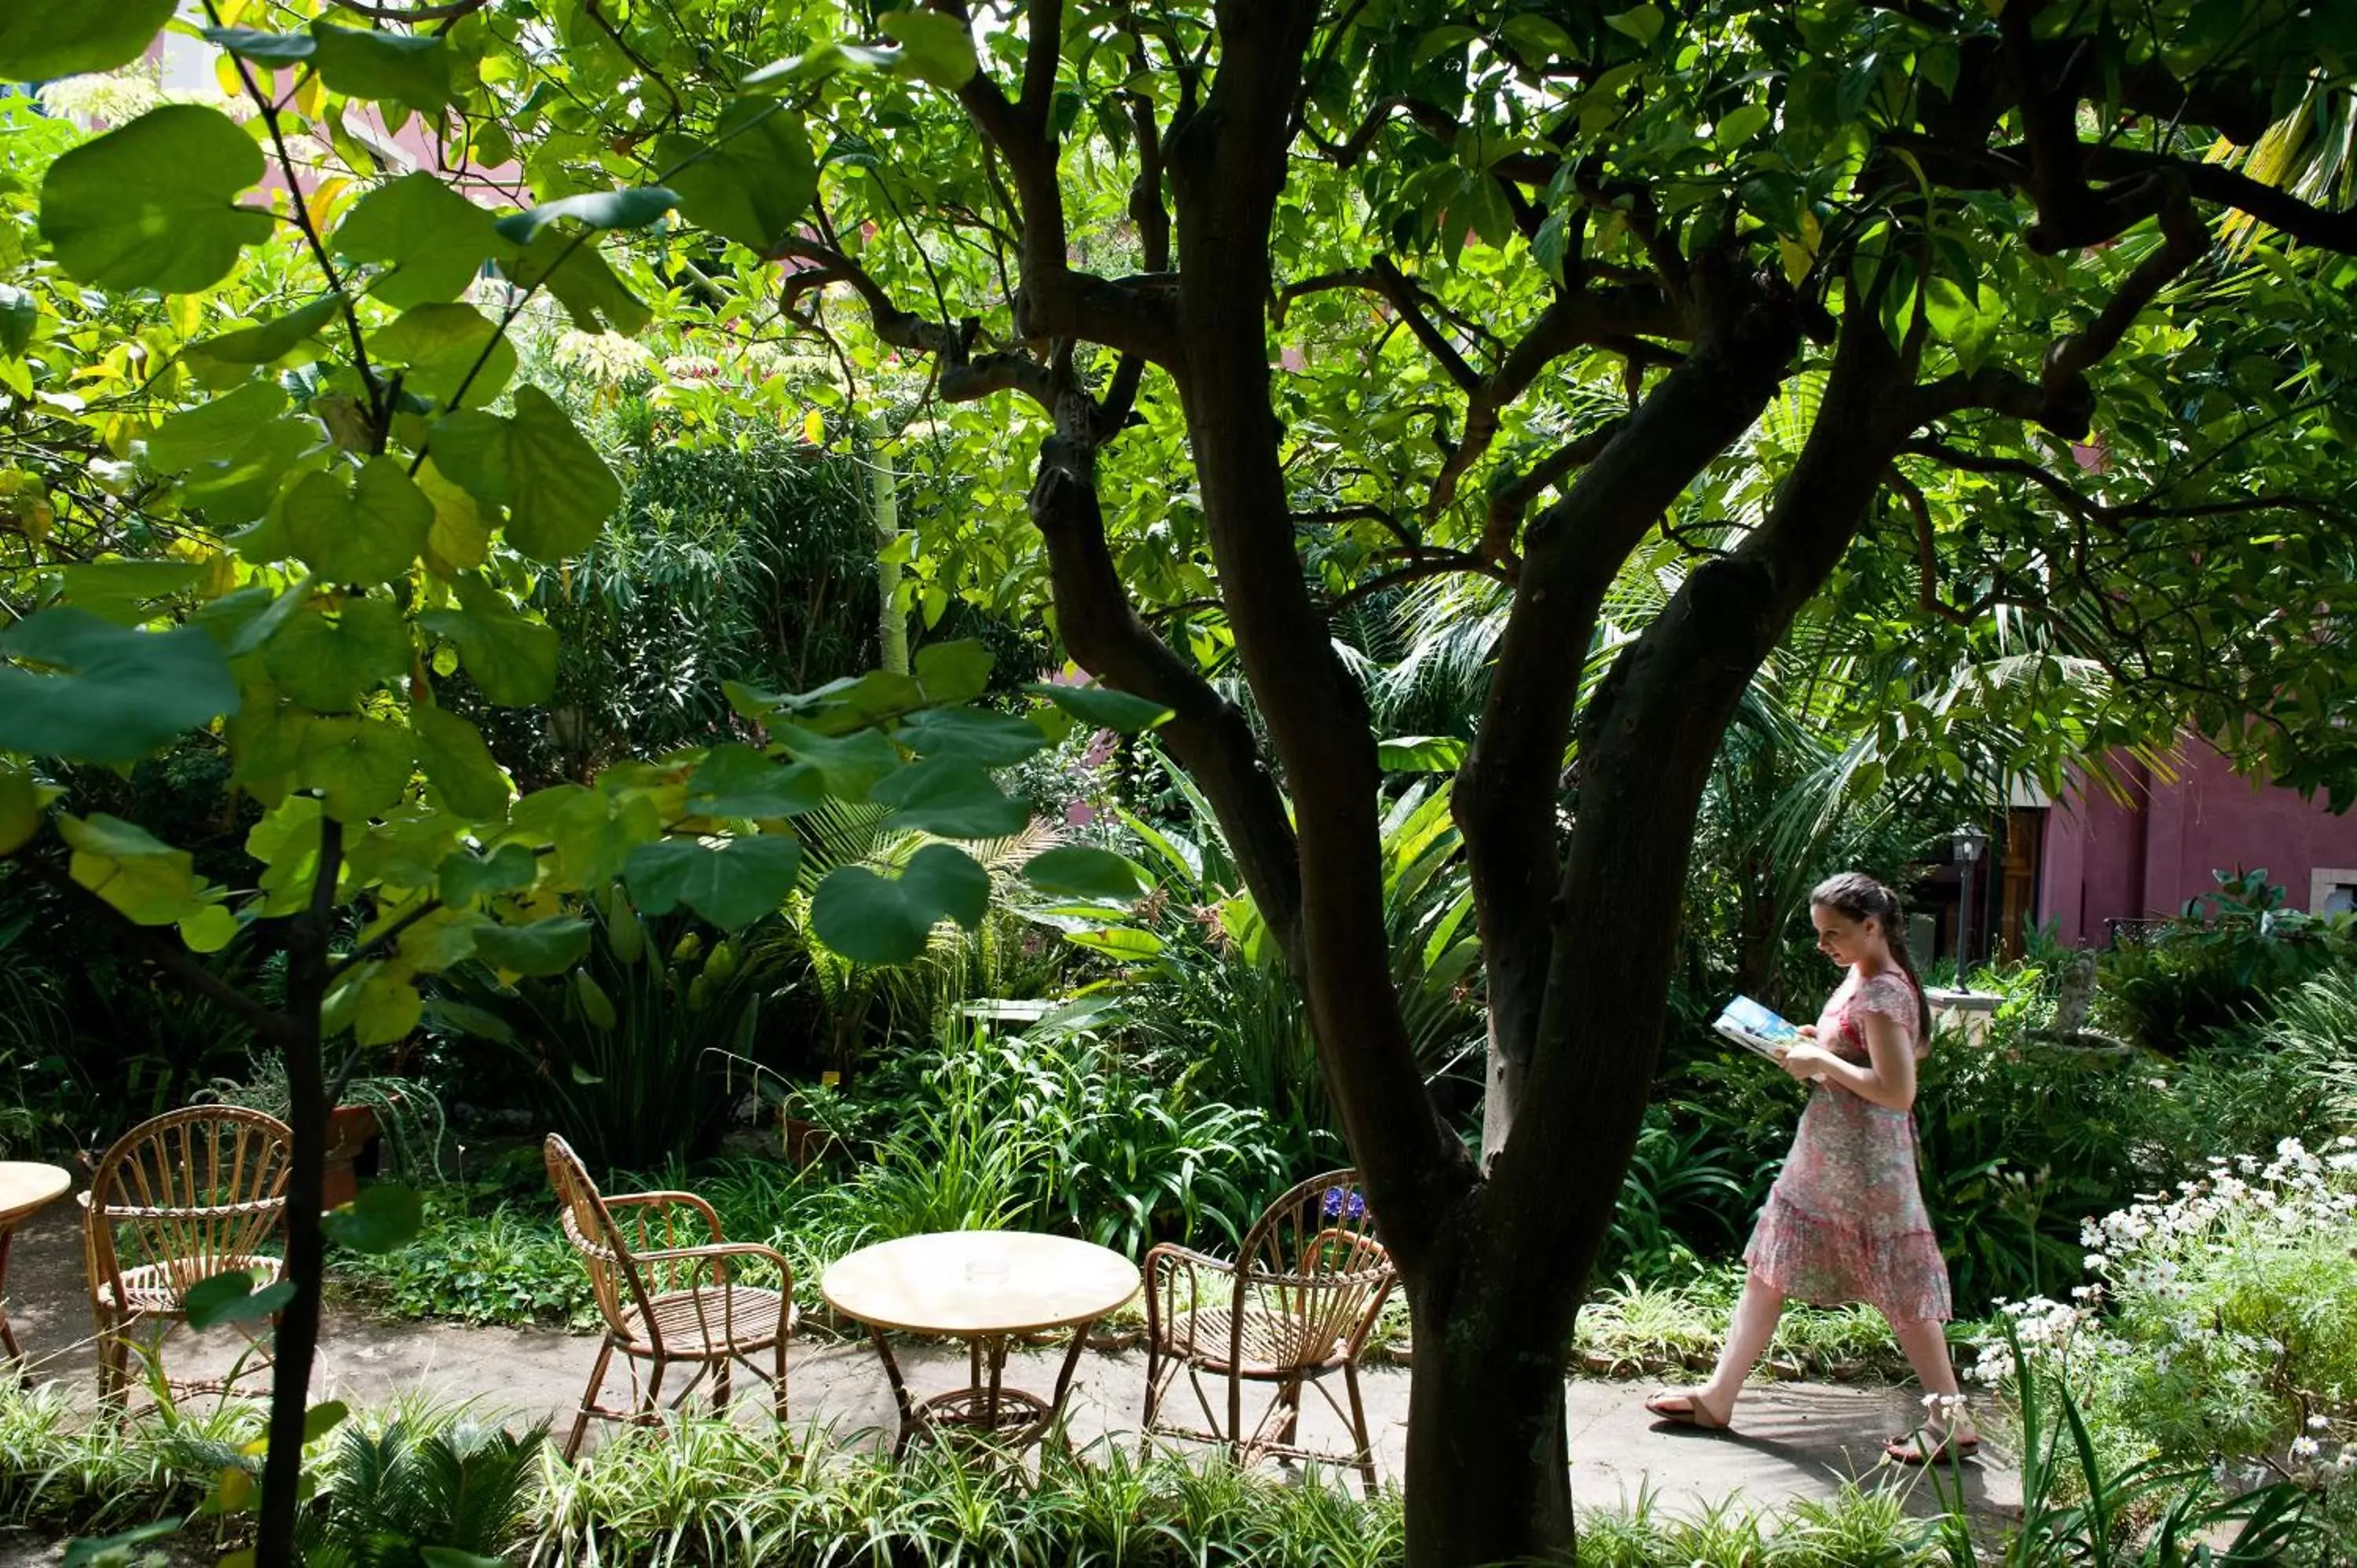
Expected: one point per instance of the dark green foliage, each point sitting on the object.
(93, 1040)
(630, 1054)
(2210, 968)
(751, 561)
(1686, 1198)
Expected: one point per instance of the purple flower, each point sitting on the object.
(1345, 1203)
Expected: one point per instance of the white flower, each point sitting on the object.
(110, 100)
(2319, 1422)
(2303, 1447)
(2095, 1261)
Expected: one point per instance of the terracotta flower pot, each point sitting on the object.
(803, 1141)
(351, 1130)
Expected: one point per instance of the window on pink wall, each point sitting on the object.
(2333, 891)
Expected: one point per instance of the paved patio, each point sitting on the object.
(1795, 1440)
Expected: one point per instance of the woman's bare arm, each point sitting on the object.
(1889, 1079)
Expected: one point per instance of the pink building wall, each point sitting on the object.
(2105, 860)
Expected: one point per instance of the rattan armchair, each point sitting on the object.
(661, 1276)
(1295, 1307)
(175, 1201)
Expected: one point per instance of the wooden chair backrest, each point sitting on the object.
(1313, 1257)
(614, 1273)
(187, 1194)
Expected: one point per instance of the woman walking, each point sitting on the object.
(1845, 1220)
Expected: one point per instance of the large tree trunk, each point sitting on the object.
(1488, 1456)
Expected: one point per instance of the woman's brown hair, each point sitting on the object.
(1858, 895)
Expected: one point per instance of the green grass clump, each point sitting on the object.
(1635, 1329)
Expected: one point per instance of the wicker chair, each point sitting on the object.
(1296, 1307)
(662, 1279)
(176, 1200)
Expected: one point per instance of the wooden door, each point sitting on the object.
(2025, 838)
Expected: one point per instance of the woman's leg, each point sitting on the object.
(1756, 1315)
(1925, 1341)
(1747, 1339)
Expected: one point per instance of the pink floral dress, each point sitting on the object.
(1845, 1220)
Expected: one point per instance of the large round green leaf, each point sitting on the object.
(435, 239)
(631, 206)
(328, 655)
(876, 919)
(102, 693)
(359, 765)
(153, 205)
(933, 48)
(736, 780)
(20, 809)
(987, 740)
(460, 765)
(513, 659)
(950, 797)
(557, 489)
(466, 877)
(582, 281)
(1102, 706)
(447, 348)
(730, 882)
(365, 531)
(44, 38)
(409, 68)
(543, 947)
(147, 881)
(1078, 871)
(751, 181)
(263, 49)
(273, 338)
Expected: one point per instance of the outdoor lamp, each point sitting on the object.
(1968, 842)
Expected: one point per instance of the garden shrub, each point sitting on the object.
(2214, 970)
(630, 1054)
(2219, 1324)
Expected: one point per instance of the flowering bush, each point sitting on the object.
(2218, 1324)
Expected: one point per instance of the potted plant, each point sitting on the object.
(372, 1118)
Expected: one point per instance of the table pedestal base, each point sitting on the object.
(1008, 1420)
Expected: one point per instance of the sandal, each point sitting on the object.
(1910, 1449)
(1693, 1412)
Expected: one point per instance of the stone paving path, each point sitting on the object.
(1794, 1440)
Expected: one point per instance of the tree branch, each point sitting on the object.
(450, 12)
(1927, 553)
(1506, 793)
(2062, 400)
(1570, 321)
(1430, 564)
(1408, 298)
(1510, 500)
(1105, 636)
(963, 379)
(1647, 746)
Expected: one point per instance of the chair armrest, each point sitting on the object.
(717, 1256)
(1165, 1265)
(1169, 1253)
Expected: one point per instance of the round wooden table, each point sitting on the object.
(984, 1287)
(24, 1188)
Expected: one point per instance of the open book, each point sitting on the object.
(1755, 1028)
